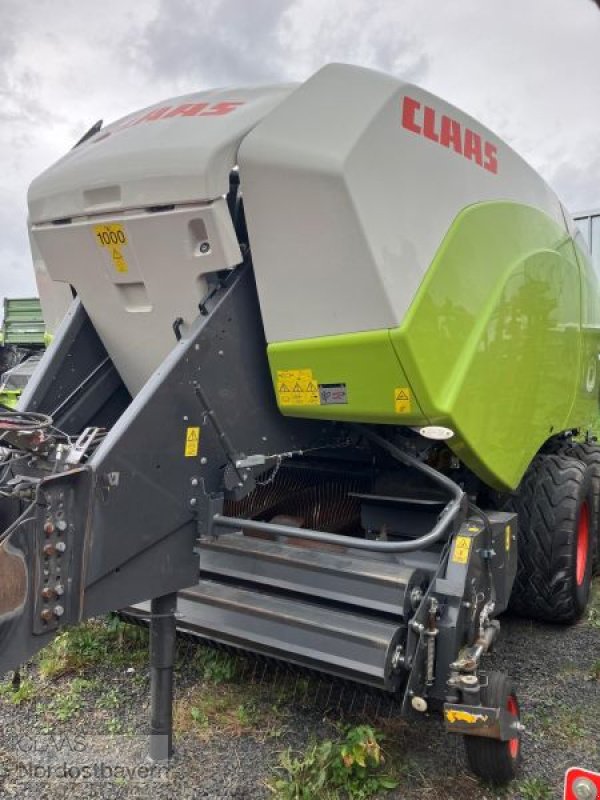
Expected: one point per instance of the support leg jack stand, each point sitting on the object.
(162, 657)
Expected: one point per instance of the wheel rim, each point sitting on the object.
(583, 543)
(513, 708)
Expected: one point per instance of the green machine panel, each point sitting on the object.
(500, 344)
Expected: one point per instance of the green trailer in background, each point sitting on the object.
(23, 323)
(22, 338)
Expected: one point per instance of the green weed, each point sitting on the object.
(68, 703)
(23, 693)
(214, 665)
(349, 768)
(113, 643)
(109, 700)
(114, 726)
(535, 789)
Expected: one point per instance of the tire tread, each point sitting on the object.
(547, 503)
(490, 759)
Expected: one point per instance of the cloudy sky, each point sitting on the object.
(528, 69)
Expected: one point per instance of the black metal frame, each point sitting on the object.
(133, 511)
(131, 514)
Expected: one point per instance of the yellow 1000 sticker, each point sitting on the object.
(112, 238)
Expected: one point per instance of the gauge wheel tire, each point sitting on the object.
(555, 506)
(589, 453)
(491, 760)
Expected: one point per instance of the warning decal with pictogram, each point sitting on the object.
(402, 400)
(192, 441)
(297, 387)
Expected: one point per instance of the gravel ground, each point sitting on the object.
(229, 735)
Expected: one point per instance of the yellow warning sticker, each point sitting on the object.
(458, 715)
(113, 238)
(297, 387)
(192, 442)
(402, 400)
(462, 546)
(507, 533)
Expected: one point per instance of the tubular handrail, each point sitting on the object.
(448, 514)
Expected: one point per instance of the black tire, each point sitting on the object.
(589, 453)
(555, 504)
(490, 759)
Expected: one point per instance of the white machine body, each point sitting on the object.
(135, 217)
(350, 183)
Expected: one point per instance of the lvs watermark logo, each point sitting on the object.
(82, 758)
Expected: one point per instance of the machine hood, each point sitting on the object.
(177, 151)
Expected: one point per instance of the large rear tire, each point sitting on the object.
(490, 759)
(557, 525)
(589, 453)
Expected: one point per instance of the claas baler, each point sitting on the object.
(327, 374)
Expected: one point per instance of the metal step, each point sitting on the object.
(349, 645)
(370, 584)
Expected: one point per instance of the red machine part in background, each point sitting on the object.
(582, 784)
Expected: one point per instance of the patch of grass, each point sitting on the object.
(350, 768)
(231, 710)
(573, 728)
(114, 726)
(67, 703)
(109, 700)
(569, 671)
(535, 789)
(593, 615)
(23, 693)
(566, 724)
(594, 673)
(112, 643)
(213, 665)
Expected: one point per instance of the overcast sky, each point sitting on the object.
(528, 69)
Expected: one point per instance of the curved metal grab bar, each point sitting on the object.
(450, 511)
